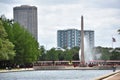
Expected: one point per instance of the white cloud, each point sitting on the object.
(102, 20)
(99, 15)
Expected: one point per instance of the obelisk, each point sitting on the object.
(82, 42)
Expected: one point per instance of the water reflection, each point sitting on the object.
(54, 75)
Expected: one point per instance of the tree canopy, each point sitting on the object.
(54, 54)
(7, 51)
(109, 53)
(25, 45)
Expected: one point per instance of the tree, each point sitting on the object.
(42, 56)
(9, 29)
(52, 55)
(26, 46)
(61, 55)
(105, 52)
(6, 47)
(75, 51)
(68, 55)
(115, 54)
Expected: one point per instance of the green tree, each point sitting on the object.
(115, 54)
(75, 51)
(68, 55)
(9, 29)
(72, 54)
(61, 55)
(42, 56)
(6, 47)
(105, 52)
(52, 55)
(26, 46)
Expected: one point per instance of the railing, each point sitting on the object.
(77, 63)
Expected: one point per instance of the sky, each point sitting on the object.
(102, 16)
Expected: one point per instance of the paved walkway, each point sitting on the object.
(114, 77)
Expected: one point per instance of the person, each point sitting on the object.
(18, 66)
(114, 68)
(70, 62)
(6, 68)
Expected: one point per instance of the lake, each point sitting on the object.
(54, 75)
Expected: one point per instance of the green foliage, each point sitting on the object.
(52, 55)
(42, 56)
(8, 27)
(3, 33)
(6, 47)
(68, 55)
(61, 54)
(26, 46)
(115, 54)
(105, 54)
(109, 53)
(75, 52)
(72, 54)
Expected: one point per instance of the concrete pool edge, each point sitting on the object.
(107, 75)
(16, 70)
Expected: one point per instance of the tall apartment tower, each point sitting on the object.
(72, 38)
(27, 17)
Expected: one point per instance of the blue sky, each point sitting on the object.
(102, 16)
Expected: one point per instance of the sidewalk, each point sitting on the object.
(114, 77)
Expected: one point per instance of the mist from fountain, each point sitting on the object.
(88, 56)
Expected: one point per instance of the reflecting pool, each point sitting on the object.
(54, 75)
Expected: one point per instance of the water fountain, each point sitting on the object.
(88, 56)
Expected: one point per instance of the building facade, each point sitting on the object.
(71, 38)
(27, 17)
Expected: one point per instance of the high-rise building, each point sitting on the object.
(71, 38)
(27, 17)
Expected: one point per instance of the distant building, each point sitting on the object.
(27, 17)
(71, 38)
